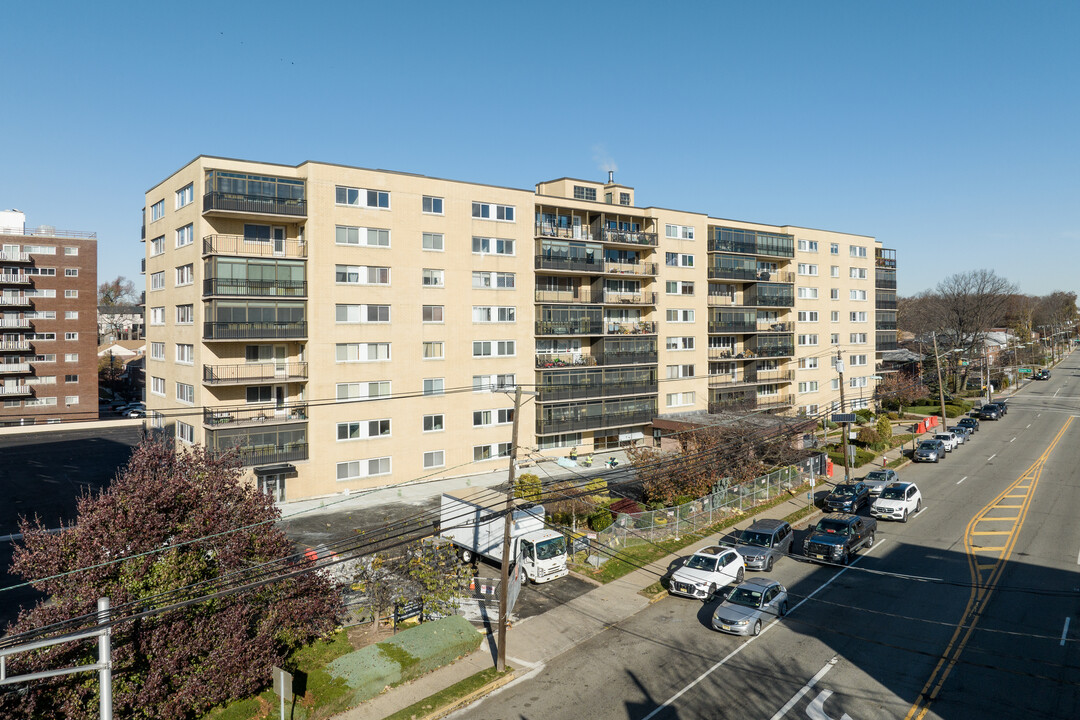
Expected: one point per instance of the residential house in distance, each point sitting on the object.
(48, 333)
(120, 322)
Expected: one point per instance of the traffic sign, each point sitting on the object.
(843, 417)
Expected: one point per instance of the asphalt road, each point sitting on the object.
(960, 613)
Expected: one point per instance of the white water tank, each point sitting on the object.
(12, 220)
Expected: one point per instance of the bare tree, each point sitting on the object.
(970, 305)
(120, 291)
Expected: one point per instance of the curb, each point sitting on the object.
(471, 697)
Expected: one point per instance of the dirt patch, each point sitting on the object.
(368, 634)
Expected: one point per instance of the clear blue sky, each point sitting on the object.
(948, 130)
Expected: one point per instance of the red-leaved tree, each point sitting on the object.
(182, 662)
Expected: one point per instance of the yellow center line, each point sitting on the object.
(992, 532)
(1007, 507)
(984, 577)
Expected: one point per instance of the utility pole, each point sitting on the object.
(987, 352)
(940, 385)
(504, 574)
(843, 409)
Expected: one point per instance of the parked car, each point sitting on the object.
(970, 423)
(1002, 406)
(990, 412)
(960, 433)
(847, 497)
(929, 451)
(947, 439)
(1041, 375)
(707, 570)
(897, 502)
(752, 603)
(765, 542)
(135, 412)
(876, 480)
(836, 539)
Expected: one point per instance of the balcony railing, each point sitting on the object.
(769, 300)
(749, 403)
(886, 324)
(263, 247)
(14, 323)
(719, 273)
(15, 300)
(627, 237)
(14, 368)
(16, 346)
(732, 327)
(580, 295)
(558, 360)
(721, 300)
(14, 279)
(253, 330)
(772, 351)
(885, 304)
(612, 297)
(254, 373)
(630, 268)
(751, 377)
(628, 358)
(268, 454)
(255, 288)
(571, 327)
(14, 256)
(549, 393)
(749, 248)
(14, 390)
(633, 328)
(592, 422)
(577, 264)
(260, 414)
(776, 327)
(260, 204)
(581, 232)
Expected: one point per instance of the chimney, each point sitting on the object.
(611, 177)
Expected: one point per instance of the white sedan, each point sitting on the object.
(897, 502)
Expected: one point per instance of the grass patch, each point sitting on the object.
(450, 695)
(801, 513)
(633, 558)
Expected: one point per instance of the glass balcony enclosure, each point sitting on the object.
(261, 277)
(751, 242)
(243, 192)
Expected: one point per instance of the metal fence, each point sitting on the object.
(631, 529)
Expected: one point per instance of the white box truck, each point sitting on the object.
(472, 520)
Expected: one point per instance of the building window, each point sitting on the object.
(157, 210)
(493, 280)
(185, 314)
(185, 393)
(808, 316)
(680, 399)
(834, 294)
(39, 249)
(834, 248)
(434, 423)
(71, 378)
(432, 205)
(433, 350)
(486, 418)
(71, 272)
(433, 241)
(157, 386)
(71, 251)
(857, 251)
(857, 273)
(584, 193)
(432, 278)
(157, 246)
(489, 211)
(859, 316)
(71, 314)
(363, 390)
(356, 469)
(679, 287)
(359, 197)
(807, 293)
(185, 195)
(185, 432)
(256, 394)
(494, 314)
(679, 232)
(184, 236)
(364, 429)
(858, 338)
(71, 294)
(432, 313)
(808, 245)
(157, 352)
(678, 260)
(857, 360)
(362, 313)
(434, 459)
(361, 275)
(494, 348)
(71, 399)
(493, 383)
(810, 339)
(362, 352)
(678, 344)
(361, 237)
(808, 386)
(185, 275)
(185, 354)
(71, 336)
(157, 315)
(857, 294)
(71, 357)
(807, 269)
(434, 386)
(490, 452)
(808, 363)
(492, 246)
(834, 271)
(674, 315)
(680, 371)
(834, 338)
(624, 198)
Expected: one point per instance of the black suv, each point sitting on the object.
(837, 538)
(990, 412)
(848, 497)
(969, 423)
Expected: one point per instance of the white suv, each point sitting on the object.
(948, 439)
(706, 571)
(897, 502)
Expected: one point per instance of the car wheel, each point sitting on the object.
(740, 575)
(870, 540)
(769, 564)
(757, 627)
(712, 592)
(918, 506)
(936, 459)
(783, 608)
(904, 519)
(466, 556)
(845, 559)
(524, 576)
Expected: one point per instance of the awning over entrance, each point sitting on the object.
(276, 469)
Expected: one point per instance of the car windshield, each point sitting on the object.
(832, 527)
(701, 562)
(760, 539)
(844, 490)
(892, 494)
(927, 445)
(877, 475)
(745, 597)
(552, 548)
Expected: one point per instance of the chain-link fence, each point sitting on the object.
(630, 529)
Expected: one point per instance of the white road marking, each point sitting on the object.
(961, 479)
(806, 688)
(723, 661)
(1028, 425)
(1056, 392)
(1078, 559)
(1065, 631)
(816, 709)
(991, 457)
(1013, 440)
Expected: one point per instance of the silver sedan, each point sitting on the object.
(749, 606)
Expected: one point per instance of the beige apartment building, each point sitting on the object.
(346, 328)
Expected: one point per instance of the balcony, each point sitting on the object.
(21, 368)
(18, 300)
(769, 299)
(254, 288)
(14, 279)
(15, 346)
(628, 358)
(733, 327)
(558, 360)
(886, 324)
(719, 273)
(630, 268)
(885, 304)
(569, 327)
(12, 391)
(612, 297)
(580, 295)
(567, 264)
(770, 327)
(253, 204)
(254, 330)
(255, 373)
(555, 392)
(771, 351)
(15, 324)
(721, 300)
(593, 422)
(751, 377)
(238, 245)
(751, 242)
(254, 415)
(14, 256)
(631, 328)
(580, 232)
(750, 403)
(625, 237)
(267, 454)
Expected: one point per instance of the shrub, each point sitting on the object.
(867, 436)
(884, 428)
(864, 415)
(600, 519)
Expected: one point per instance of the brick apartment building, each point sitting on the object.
(48, 323)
